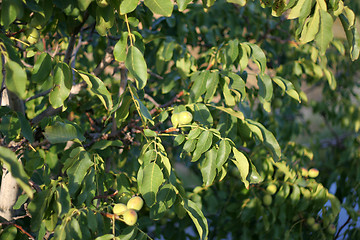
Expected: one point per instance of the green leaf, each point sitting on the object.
(37, 208)
(211, 86)
(84, 4)
(325, 34)
(242, 163)
(258, 56)
(265, 86)
(143, 109)
(20, 201)
(10, 10)
(105, 18)
(311, 27)
(189, 145)
(63, 200)
(103, 144)
(149, 133)
(15, 78)
(98, 88)
(161, 7)
(129, 233)
(61, 132)
(238, 2)
(42, 68)
(151, 181)
(222, 153)
(296, 10)
(203, 144)
(120, 47)
(128, 6)
(330, 78)
(268, 139)
(197, 217)
(287, 87)
(136, 65)
(202, 114)
(166, 195)
(106, 237)
(230, 111)
(16, 169)
(25, 127)
(77, 172)
(199, 85)
(352, 36)
(182, 4)
(62, 85)
(229, 98)
(208, 166)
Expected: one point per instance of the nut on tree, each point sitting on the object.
(102, 3)
(271, 189)
(267, 199)
(119, 208)
(331, 229)
(313, 173)
(130, 217)
(181, 118)
(135, 203)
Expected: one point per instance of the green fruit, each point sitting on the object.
(32, 35)
(175, 119)
(304, 172)
(267, 199)
(313, 172)
(271, 189)
(135, 203)
(185, 117)
(130, 217)
(102, 3)
(310, 221)
(331, 229)
(119, 208)
(277, 103)
(315, 227)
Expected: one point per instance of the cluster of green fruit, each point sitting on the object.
(311, 173)
(128, 211)
(181, 118)
(270, 190)
(315, 226)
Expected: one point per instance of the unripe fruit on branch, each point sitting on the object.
(310, 221)
(119, 208)
(130, 217)
(331, 229)
(185, 117)
(304, 172)
(135, 203)
(313, 172)
(175, 119)
(267, 199)
(316, 226)
(271, 189)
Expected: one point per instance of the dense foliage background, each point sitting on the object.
(89, 89)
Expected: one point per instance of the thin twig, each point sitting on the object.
(174, 99)
(342, 227)
(154, 74)
(148, 97)
(41, 94)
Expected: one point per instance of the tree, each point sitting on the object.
(198, 108)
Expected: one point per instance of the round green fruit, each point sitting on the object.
(135, 203)
(271, 189)
(331, 229)
(267, 199)
(175, 119)
(130, 217)
(102, 3)
(315, 227)
(185, 117)
(310, 221)
(32, 35)
(313, 172)
(304, 172)
(119, 208)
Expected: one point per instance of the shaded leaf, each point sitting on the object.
(197, 217)
(150, 183)
(242, 163)
(61, 132)
(15, 78)
(62, 85)
(136, 65)
(208, 166)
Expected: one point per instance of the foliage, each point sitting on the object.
(94, 86)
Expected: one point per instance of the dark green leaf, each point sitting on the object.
(16, 78)
(151, 181)
(120, 47)
(197, 217)
(208, 166)
(42, 68)
(202, 114)
(199, 85)
(136, 65)
(61, 132)
(25, 128)
(222, 153)
(62, 85)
